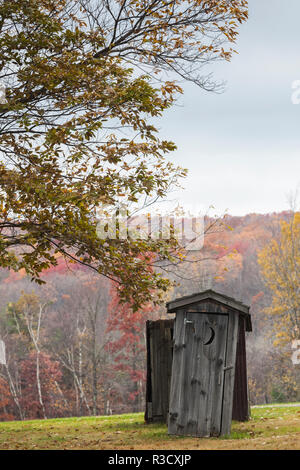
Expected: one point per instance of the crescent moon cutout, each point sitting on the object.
(212, 337)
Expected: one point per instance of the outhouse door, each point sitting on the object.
(201, 361)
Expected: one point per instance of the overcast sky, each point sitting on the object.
(242, 148)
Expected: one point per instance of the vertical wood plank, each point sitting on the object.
(159, 369)
(218, 379)
(195, 377)
(240, 410)
(148, 411)
(177, 366)
(203, 376)
(229, 373)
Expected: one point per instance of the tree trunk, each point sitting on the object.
(38, 381)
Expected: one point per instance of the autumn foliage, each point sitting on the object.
(280, 264)
(126, 330)
(50, 376)
(84, 83)
(91, 347)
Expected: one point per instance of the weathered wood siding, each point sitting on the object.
(203, 372)
(159, 368)
(159, 335)
(197, 376)
(229, 372)
(240, 411)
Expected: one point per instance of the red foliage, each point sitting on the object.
(62, 267)
(6, 405)
(15, 276)
(50, 374)
(127, 344)
(240, 246)
(257, 297)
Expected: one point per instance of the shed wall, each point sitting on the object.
(159, 336)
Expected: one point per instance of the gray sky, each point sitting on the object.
(242, 148)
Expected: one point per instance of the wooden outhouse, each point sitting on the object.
(204, 361)
(206, 385)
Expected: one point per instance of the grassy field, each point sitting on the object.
(272, 427)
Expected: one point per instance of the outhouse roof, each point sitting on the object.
(210, 294)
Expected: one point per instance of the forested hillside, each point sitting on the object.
(231, 267)
(73, 350)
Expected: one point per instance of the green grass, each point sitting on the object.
(269, 428)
